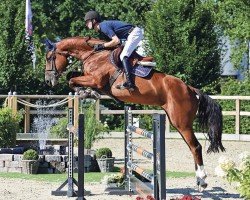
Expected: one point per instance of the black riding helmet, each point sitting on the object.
(92, 15)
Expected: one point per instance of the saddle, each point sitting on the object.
(135, 58)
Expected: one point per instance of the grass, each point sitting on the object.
(89, 177)
(57, 178)
(171, 174)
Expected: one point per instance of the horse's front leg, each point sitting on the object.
(88, 82)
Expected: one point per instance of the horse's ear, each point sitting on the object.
(50, 46)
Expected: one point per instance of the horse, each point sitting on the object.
(182, 103)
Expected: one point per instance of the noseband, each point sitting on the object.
(52, 60)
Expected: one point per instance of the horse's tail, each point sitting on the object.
(210, 120)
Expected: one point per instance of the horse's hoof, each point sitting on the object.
(202, 185)
(201, 188)
(83, 94)
(95, 95)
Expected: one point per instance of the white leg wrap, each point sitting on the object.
(200, 172)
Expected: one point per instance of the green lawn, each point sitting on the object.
(89, 177)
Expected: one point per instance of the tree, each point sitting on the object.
(126, 10)
(183, 39)
(14, 70)
(233, 17)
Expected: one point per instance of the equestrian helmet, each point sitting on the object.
(92, 15)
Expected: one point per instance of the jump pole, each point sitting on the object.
(158, 178)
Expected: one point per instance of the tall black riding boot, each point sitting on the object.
(128, 84)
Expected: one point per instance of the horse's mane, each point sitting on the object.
(86, 38)
(79, 40)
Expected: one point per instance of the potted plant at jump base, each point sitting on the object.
(30, 162)
(105, 160)
(113, 182)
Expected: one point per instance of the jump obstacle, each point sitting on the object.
(70, 182)
(157, 179)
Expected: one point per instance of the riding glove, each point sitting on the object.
(98, 47)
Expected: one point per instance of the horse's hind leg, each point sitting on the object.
(183, 123)
(196, 149)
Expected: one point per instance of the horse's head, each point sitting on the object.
(56, 62)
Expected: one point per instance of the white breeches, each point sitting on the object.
(132, 42)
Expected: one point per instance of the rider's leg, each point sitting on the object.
(126, 65)
(132, 42)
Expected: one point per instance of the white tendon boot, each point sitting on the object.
(201, 175)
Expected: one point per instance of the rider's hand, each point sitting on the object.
(98, 47)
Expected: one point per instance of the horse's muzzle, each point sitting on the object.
(51, 78)
(50, 81)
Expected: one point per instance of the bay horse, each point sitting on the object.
(181, 102)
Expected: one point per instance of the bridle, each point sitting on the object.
(52, 59)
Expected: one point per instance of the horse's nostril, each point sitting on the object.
(47, 82)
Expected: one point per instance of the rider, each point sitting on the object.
(117, 31)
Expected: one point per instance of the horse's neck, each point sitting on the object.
(77, 47)
(72, 44)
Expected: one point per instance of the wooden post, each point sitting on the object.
(14, 103)
(76, 110)
(27, 118)
(237, 118)
(97, 109)
(10, 100)
(70, 102)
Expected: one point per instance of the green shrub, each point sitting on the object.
(93, 128)
(9, 126)
(60, 129)
(103, 152)
(30, 154)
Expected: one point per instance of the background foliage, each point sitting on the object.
(93, 129)
(232, 17)
(183, 39)
(60, 129)
(235, 88)
(9, 127)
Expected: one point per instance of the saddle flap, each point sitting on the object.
(141, 71)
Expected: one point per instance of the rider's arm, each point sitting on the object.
(114, 42)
